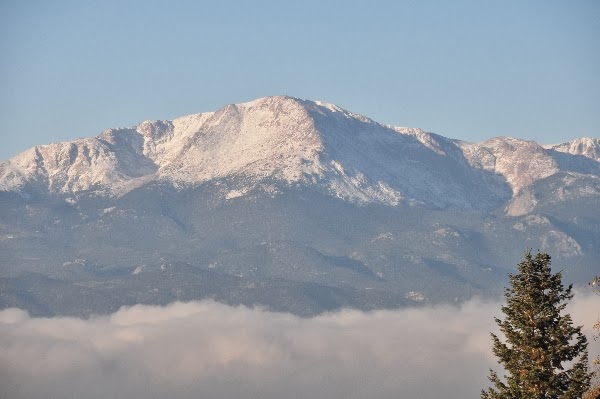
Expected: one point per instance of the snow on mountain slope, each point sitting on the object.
(559, 188)
(77, 166)
(520, 162)
(586, 146)
(369, 156)
(268, 137)
(296, 141)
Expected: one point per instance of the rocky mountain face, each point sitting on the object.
(293, 204)
(298, 142)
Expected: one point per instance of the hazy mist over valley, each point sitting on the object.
(207, 349)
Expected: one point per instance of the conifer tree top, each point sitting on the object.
(539, 338)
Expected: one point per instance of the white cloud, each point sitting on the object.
(210, 350)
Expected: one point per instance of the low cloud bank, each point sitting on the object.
(210, 350)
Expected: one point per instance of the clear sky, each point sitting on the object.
(464, 69)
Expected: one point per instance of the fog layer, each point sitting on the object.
(210, 350)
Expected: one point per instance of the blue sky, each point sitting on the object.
(464, 69)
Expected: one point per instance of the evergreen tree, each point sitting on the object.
(539, 339)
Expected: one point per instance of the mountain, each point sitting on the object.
(293, 204)
(298, 142)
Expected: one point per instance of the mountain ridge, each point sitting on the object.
(296, 141)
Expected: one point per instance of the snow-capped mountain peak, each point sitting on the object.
(587, 146)
(295, 142)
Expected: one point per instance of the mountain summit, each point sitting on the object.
(293, 141)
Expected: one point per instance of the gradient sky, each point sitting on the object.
(464, 69)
